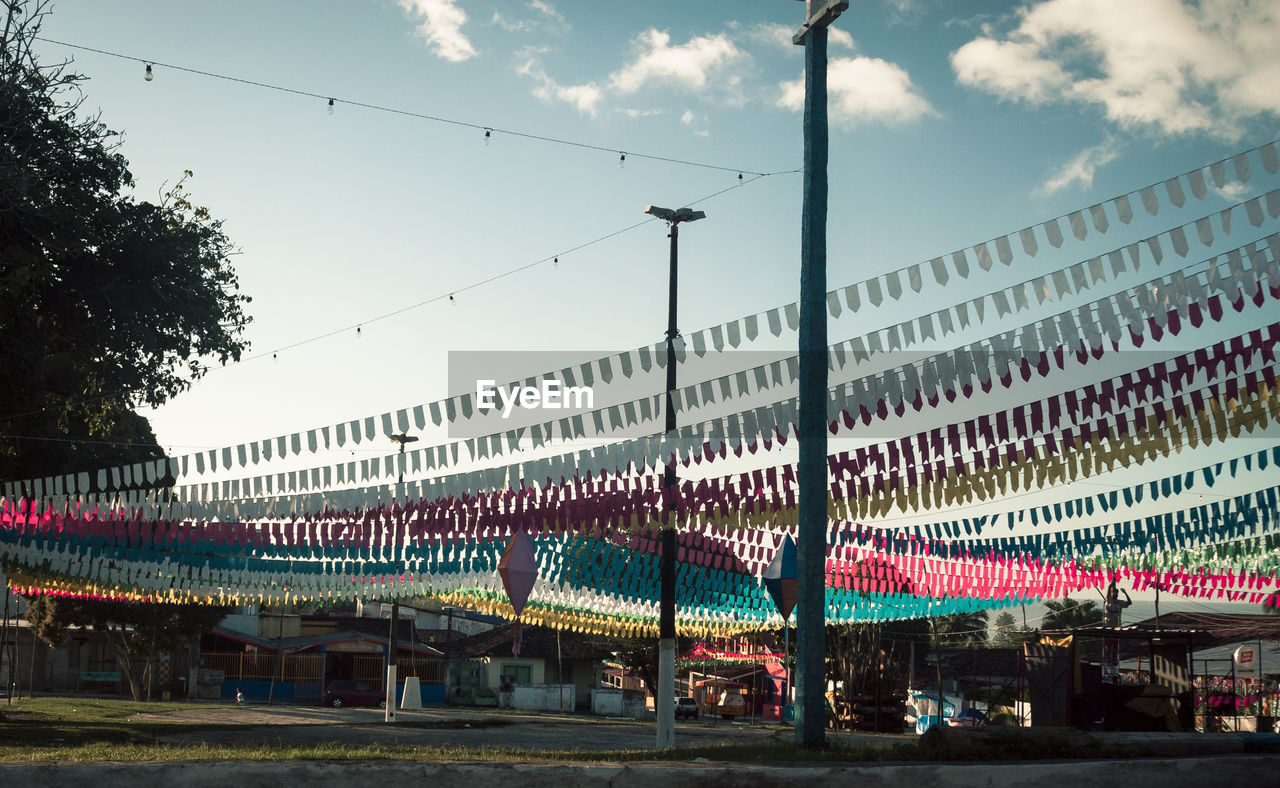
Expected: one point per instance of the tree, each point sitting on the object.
(639, 656)
(963, 630)
(134, 630)
(1007, 633)
(1003, 627)
(1067, 613)
(110, 302)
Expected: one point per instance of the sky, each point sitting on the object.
(950, 124)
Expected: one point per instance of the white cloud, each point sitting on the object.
(546, 9)
(863, 89)
(1080, 168)
(702, 62)
(839, 38)
(1234, 191)
(545, 19)
(440, 25)
(904, 11)
(771, 34)
(777, 35)
(695, 122)
(585, 98)
(1161, 65)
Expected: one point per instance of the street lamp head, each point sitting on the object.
(403, 438)
(676, 216)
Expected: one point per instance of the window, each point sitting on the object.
(518, 674)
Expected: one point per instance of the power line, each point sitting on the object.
(407, 113)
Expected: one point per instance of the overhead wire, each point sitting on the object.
(332, 100)
(444, 296)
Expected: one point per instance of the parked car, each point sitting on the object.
(348, 692)
(687, 708)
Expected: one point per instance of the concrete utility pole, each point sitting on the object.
(665, 697)
(811, 471)
(389, 713)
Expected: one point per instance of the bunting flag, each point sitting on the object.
(572, 539)
(1058, 283)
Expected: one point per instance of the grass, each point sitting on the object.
(59, 729)
(34, 726)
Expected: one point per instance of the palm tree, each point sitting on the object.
(1067, 613)
(963, 630)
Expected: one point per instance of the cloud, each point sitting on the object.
(840, 38)
(1234, 191)
(771, 34)
(1080, 168)
(585, 98)
(545, 19)
(863, 89)
(701, 63)
(905, 11)
(697, 123)
(1159, 65)
(775, 34)
(441, 26)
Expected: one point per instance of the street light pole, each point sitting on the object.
(664, 700)
(389, 715)
(811, 467)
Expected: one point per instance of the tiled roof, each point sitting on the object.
(534, 642)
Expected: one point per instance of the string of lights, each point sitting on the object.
(331, 102)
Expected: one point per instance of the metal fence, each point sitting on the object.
(239, 666)
(371, 669)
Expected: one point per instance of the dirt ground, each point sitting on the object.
(463, 727)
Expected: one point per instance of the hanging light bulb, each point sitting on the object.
(451, 300)
(488, 136)
(148, 76)
(555, 263)
(622, 160)
(330, 106)
(275, 357)
(358, 332)
(739, 178)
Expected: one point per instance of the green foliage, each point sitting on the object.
(962, 630)
(1006, 633)
(1067, 613)
(135, 630)
(110, 301)
(639, 656)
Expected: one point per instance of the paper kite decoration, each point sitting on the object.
(518, 571)
(780, 577)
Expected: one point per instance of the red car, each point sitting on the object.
(348, 692)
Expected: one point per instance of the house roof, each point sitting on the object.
(534, 642)
(1221, 628)
(293, 645)
(1200, 630)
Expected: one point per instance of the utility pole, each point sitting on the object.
(811, 471)
(4, 645)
